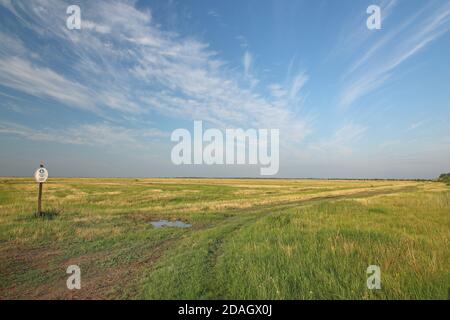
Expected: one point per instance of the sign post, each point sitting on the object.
(41, 175)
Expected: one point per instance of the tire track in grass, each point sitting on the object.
(187, 270)
(256, 214)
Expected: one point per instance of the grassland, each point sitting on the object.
(250, 239)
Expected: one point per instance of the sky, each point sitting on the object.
(103, 100)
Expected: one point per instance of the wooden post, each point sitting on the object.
(40, 176)
(40, 200)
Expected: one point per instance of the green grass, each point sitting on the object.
(250, 239)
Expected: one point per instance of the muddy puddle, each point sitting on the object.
(167, 223)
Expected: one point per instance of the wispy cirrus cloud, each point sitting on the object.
(120, 61)
(97, 134)
(290, 92)
(354, 34)
(129, 75)
(416, 125)
(213, 13)
(247, 61)
(342, 140)
(375, 67)
(242, 41)
(22, 75)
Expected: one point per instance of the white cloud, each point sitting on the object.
(341, 142)
(297, 84)
(371, 71)
(10, 45)
(96, 27)
(355, 33)
(416, 125)
(213, 13)
(247, 61)
(42, 82)
(290, 93)
(122, 62)
(277, 90)
(242, 41)
(96, 134)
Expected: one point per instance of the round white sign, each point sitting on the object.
(41, 175)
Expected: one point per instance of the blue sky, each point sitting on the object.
(102, 101)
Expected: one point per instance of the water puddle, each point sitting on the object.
(167, 223)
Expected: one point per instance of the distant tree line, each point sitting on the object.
(445, 177)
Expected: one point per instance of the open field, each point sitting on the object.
(250, 239)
